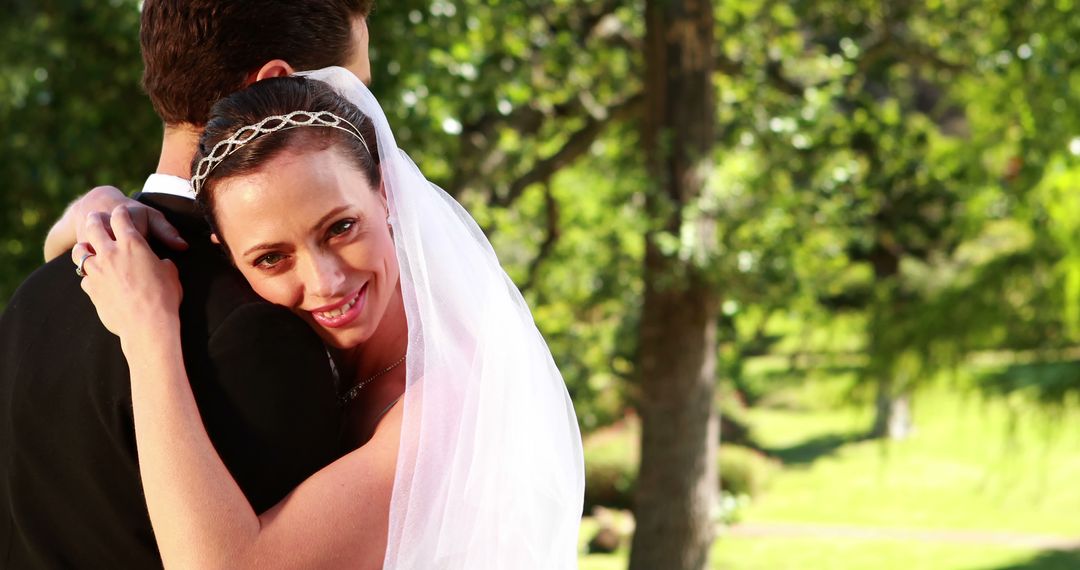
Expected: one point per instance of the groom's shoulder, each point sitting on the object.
(51, 284)
(220, 306)
(215, 293)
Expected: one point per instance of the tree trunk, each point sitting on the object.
(677, 483)
(893, 417)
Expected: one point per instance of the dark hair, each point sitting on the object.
(198, 51)
(280, 96)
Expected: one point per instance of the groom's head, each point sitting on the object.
(196, 52)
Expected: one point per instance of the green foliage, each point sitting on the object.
(523, 112)
(73, 115)
(901, 168)
(611, 465)
(744, 471)
(609, 484)
(483, 93)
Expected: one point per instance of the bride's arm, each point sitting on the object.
(67, 231)
(336, 518)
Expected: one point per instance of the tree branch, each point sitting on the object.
(576, 145)
(479, 135)
(550, 239)
(773, 73)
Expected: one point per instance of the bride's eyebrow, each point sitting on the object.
(262, 246)
(322, 221)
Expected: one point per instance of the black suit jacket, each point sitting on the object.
(70, 494)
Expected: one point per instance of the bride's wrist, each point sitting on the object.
(150, 333)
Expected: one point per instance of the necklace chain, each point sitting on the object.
(355, 390)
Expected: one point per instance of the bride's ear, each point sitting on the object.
(386, 207)
(214, 239)
(272, 68)
(381, 193)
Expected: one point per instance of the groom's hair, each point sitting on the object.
(196, 52)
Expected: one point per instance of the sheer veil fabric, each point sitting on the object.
(490, 473)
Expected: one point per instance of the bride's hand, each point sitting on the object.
(70, 229)
(135, 293)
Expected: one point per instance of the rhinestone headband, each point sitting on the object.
(270, 124)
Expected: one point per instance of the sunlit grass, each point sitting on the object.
(972, 465)
(733, 553)
(818, 554)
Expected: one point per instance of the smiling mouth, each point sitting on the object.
(343, 314)
(340, 310)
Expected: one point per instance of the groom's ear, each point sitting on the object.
(272, 68)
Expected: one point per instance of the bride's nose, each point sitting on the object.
(325, 276)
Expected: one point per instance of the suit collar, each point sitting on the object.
(171, 193)
(168, 203)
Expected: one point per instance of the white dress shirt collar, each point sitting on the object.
(168, 184)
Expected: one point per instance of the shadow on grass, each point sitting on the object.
(809, 451)
(1048, 560)
(1051, 382)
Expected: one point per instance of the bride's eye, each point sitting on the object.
(269, 260)
(340, 228)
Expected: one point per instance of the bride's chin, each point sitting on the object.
(343, 339)
(336, 339)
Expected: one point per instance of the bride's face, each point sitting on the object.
(308, 232)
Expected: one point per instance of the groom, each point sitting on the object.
(70, 494)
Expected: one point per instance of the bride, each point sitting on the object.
(467, 453)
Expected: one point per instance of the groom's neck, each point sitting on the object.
(177, 149)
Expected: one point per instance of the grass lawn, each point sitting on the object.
(972, 465)
(814, 554)
(807, 554)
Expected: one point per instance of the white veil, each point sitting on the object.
(490, 473)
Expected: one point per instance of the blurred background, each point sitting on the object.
(811, 269)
